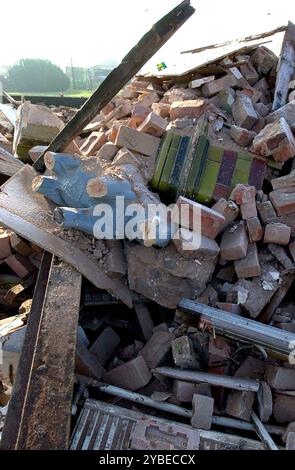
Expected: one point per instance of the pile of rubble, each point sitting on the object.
(222, 148)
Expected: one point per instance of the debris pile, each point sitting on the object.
(210, 335)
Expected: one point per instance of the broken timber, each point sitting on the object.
(149, 44)
(239, 328)
(44, 422)
(285, 68)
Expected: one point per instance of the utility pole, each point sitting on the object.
(73, 75)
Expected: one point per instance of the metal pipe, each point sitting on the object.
(262, 432)
(235, 383)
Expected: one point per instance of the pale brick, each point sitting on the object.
(243, 112)
(137, 141)
(276, 140)
(131, 375)
(201, 81)
(190, 211)
(213, 87)
(188, 109)
(181, 94)
(156, 349)
(241, 136)
(280, 378)
(202, 412)
(105, 345)
(248, 210)
(93, 143)
(248, 266)
(107, 151)
(277, 233)
(234, 242)
(255, 230)
(239, 404)
(153, 125)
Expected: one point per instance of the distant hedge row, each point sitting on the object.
(36, 75)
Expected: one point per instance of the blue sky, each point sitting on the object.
(91, 31)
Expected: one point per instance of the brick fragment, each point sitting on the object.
(187, 109)
(18, 245)
(184, 391)
(153, 125)
(280, 254)
(229, 307)
(255, 230)
(228, 209)
(266, 212)
(5, 250)
(202, 412)
(242, 194)
(86, 363)
(261, 109)
(284, 181)
(93, 143)
(181, 94)
(248, 266)
(283, 200)
(137, 141)
(191, 213)
(226, 99)
(201, 81)
(287, 112)
(20, 265)
(263, 60)
(243, 112)
(280, 378)
(277, 233)
(251, 368)
(226, 274)
(145, 320)
(276, 140)
(162, 109)
(253, 94)
(223, 83)
(105, 345)
(156, 349)
(259, 125)
(240, 403)
(199, 244)
(184, 354)
(248, 210)
(131, 375)
(107, 151)
(241, 136)
(234, 242)
(249, 72)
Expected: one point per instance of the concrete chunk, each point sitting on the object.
(202, 411)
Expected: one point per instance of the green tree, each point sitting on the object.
(36, 75)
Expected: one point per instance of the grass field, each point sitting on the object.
(69, 93)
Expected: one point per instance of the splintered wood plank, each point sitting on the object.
(30, 215)
(46, 409)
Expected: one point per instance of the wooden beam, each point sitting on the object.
(285, 68)
(149, 44)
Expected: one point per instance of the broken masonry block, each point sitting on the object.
(263, 60)
(248, 266)
(5, 250)
(277, 233)
(138, 115)
(145, 320)
(266, 212)
(283, 200)
(183, 391)
(131, 375)
(280, 254)
(255, 230)
(280, 378)
(107, 151)
(239, 404)
(283, 408)
(241, 136)
(187, 109)
(226, 99)
(287, 112)
(93, 143)
(194, 216)
(201, 81)
(105, 345)
(243, 112)
(18, 245)
(234, 242)
(86, 363)
(156, 349)
(251, 368)
(261, 109)
(253, 93)
(137, 141)
(153, 125)
(202, 411)
(228, 209)
(264, 398)
(227, 306)
(20, 265)
(284, 181)
(184, 354)
(181, 94)
(162, 109)
(223, 83)
(243, 194)
(249, 72)
(35, 125)
(248, 210)
(276, 140)
(198, 244)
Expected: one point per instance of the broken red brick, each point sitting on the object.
(229, 307)
(137, 141)
(162, 109)
(153, 125)
(241, 136)
(187, 109)
(243, 112)
(234, 242)
(248, 266)
(263, 60)
(156, 348)
(131, 375)
(228, 209)
(243, 194)
(255, 230)
(266, 212)
(223, 83)
(283, 200)
(240, 403)
(287, 112)
(275, 140)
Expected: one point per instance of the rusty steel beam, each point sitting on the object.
(40, 411)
